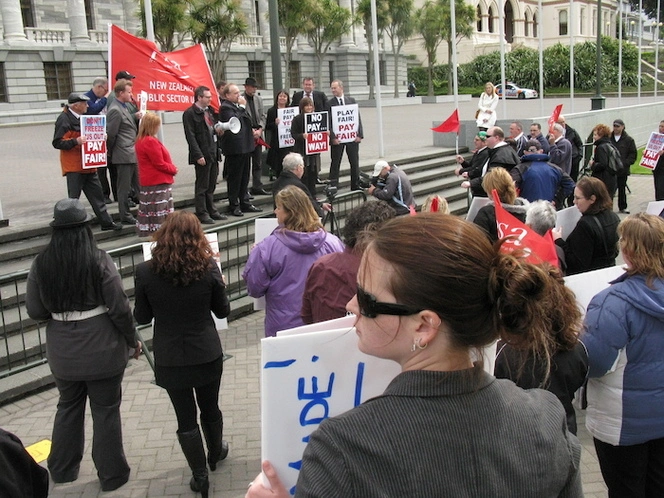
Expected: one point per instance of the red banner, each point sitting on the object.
(520, 237)
(168, 78)
(554, 117)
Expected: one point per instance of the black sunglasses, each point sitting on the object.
(371, 308)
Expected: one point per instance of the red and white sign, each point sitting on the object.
(652, 150)
(93, 150)
(284, 127)
(345, 122)
(168, 78)
(316, 129)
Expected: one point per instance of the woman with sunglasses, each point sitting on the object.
(443, 427)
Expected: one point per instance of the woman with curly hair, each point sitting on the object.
(278, 265)
(599, 162)
(178, 288)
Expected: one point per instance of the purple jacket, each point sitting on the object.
(277, 269)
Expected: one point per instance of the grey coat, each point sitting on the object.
(445, 434)
(121, 130)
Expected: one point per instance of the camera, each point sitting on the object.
(366, 181)
(330, 192)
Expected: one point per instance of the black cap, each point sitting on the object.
(124, 75)
(77, 97)
(251, 82)
(619, 122)
(69, 213)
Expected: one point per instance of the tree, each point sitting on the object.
(363, 15)
(430, 24)
(170, 22)
(216, 23)
(465, 17)
(399, 29)
(292, 19)
(326, 23)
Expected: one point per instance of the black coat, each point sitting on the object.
(600, 167)
(320, 100)
(287, 178)
(243, 142)
(200, 137)
(627, 148)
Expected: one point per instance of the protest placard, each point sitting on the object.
(317, 134)
(93, 150)
(566, 219)
(651, 153)
(286, 116)
(143, 99)
(263, 228)
(655, 207)
(586, 285)
(345, 122)
(220, 323)
(477, 204)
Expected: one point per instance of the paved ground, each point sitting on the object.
(29, 189)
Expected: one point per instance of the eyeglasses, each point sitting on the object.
(490, 136)
(371, 308)
(616, 125)
(532, 150)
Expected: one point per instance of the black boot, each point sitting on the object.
(192, 447)
(217, 447)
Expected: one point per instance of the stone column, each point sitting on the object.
(347, 39)
(78, 26)
(264, 22)
(12, 21)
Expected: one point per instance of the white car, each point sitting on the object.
(516, 92)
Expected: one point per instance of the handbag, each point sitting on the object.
(477, 113)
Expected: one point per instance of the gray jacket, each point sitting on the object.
(121, 130)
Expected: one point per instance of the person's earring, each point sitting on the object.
(417, 344)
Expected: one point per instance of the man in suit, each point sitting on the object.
(308, 90)
(560, 152)
(291, 174)
(237, 148)
(198, 122)
(337, 148)
(257, 114)
(121, 133)
(516, 132)
(320, 104)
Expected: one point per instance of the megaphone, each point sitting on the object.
(233, 125)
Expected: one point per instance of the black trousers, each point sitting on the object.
(311, 173)
(107, 187)
(184, 403)
(658, 177)
(622, 192)
(635, 471)
(237, 176)
(204, 187)
(68, 430)
(353, 154)
(127, 180)
(257, 168)
(89, 184)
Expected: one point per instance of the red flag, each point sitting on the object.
(168, 78)
(536, 249)
(554, 117)
(450, 125)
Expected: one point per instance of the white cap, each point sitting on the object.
(378, 168)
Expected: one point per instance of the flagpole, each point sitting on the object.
(541, 62)
(638, 93)
(501, 33)
(455, 73)
(620, 47)
(379, 104)
(571, 55)
(149, 28)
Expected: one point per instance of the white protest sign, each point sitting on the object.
(93, 150)
(477, 204)
(566, 219)
(311, 373)
(263, 228)
(306, 378)
(345, 122)
(220, 323)
(651, 153)
(286, 116)
(143, 99)
(655, 207)
(586, 285)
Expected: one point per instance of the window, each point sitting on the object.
(491, 19)
(562, 23)
(294, 74)
(89, 14)
(535, 27)
(257, 71)
(258, 22)
(330, 70)
(3, 85)
(582, 20)
(382, 71)
(27, 13)
(479, 19)
(58, 80)
(526, 25)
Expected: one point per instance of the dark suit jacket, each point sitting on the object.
(560, 153)
(242, 142)
(287, 178)
(320, 100)
(334, 102)
(200, 137)
(121, 131)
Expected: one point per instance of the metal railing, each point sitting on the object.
(23, 340)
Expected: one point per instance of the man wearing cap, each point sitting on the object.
(257, 114)
(198, 123)
(121, 131)
(337, 148)
(392, 185)
(68, 139)
(627, 148)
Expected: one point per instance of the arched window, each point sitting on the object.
(526, 25)
(535, 27)
(479, 19)
(492, 16)
(562, 23)
(582, 21)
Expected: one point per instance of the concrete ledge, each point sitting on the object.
(391, 102)
(445, 99)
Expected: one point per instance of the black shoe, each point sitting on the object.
(107, 200)
(218, 216)
(624, 211)
(250, 197)
(259, 191)
(206, 220)
(113, 226)
(131, 203)
(251, 209)
(322, 182)
(128, 220)
(237, 212)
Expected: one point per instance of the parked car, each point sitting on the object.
(516, 92)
